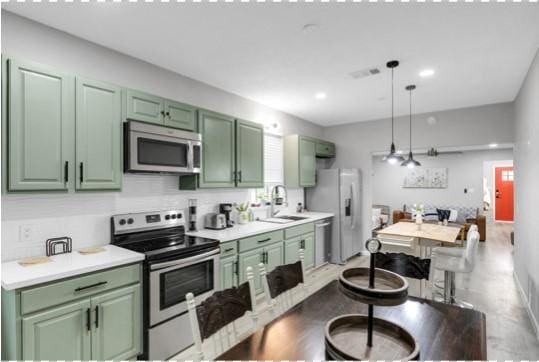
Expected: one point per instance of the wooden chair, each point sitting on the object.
(279, 283)
(215, 318)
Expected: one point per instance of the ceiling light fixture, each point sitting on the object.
(392, 157)
(320, 95)
(426, 73)
(493, 145)
(410, 162)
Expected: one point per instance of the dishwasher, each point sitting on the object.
(322, 242)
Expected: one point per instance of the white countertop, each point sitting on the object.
(61, 266)
(257, 227)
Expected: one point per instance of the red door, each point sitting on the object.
(503, 191)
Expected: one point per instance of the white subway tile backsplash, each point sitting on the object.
(85, 216)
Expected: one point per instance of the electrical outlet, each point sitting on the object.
(26, 233)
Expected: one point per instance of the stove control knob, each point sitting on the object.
(179, 216)
(173, 216)
(122, 222)
(130, 221)
(167, 217)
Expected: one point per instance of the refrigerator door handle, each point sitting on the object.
(353, 207)
(347, 207)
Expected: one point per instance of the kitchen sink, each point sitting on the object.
(284, 219)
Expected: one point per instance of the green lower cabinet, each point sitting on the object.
(98, 135)
(229, 275)
(274, 256)
(251, 258)
(116, 329)
(60, 333)
(292, 246)
(39, 128)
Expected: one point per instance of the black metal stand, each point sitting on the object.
(370, 320)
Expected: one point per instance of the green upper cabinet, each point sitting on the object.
(153, 109)
(40, 128)
(218, 143)
(144, 107)
(299, 161)
(249, 154)
(179, 115)
(325, 149)
(61, 333)
(98, 135)
(116, 330)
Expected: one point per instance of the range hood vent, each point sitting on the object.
(363, 73)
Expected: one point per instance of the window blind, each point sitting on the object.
(273, 159)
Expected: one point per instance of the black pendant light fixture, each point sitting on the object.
(393, 157)
(410, 162)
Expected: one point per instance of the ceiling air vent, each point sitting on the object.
(367, 72)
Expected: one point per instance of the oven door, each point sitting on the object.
(170, 281)
(159, 153)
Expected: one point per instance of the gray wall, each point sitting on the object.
(461, 127)
(465, 170)
(526, 253)
(85, 216)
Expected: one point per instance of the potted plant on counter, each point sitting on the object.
(243, 214)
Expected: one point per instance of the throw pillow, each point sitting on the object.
(443, 214)
(430, 214)
(453, 215)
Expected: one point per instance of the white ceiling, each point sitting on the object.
(480, 52)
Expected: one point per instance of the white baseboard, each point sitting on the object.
(535, 325)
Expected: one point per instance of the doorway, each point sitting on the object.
(503, 193)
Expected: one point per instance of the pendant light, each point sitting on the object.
(410, 162)
(393, 157)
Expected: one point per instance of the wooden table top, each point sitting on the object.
(445, 234)
(444, 332)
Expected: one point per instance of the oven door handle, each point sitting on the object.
(184, 260)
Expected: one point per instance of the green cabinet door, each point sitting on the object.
(61, 333)
(144, 107)
(308, 247)
(249, 154)
(179, 115)
(291, 248)
(116, 330)
(98, 135)
(217, 150)
(307, 162)
(228, 272)
(251, 258)
(40, 128)
(274, 256)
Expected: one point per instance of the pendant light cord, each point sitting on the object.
(410, 120)
(392, 106)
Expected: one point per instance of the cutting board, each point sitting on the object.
(34, 261)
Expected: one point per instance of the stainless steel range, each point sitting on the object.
(175, 265)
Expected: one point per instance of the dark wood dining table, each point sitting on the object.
(444, 332)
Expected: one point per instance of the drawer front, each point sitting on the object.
(229, 248)
(260, 240)
(37, 298)
(325, 149)
(299, 230)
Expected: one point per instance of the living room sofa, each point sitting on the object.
(471, 216)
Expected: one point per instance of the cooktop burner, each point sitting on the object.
(157, 234)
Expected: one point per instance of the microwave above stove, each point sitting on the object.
(152, 148)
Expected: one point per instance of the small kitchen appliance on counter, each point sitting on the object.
(226, 209)
(215, 221)
(175, 264)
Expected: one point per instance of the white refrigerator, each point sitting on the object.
(339, 191)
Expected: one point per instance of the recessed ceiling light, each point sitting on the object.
(493, 145)
(320, 95)
(426, 73)
(399, 152)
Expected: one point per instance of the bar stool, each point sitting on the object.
(455, 260)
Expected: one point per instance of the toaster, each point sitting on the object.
(215, 221)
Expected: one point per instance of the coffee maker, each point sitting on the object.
(226, 209)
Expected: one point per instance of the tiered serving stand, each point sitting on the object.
(364, 337)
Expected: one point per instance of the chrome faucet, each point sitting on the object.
(274, 191)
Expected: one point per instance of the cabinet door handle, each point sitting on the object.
(88, 321)
(302, 244)
(96, 316)
(163, 113)
(239, 176)
(234, 176)
(168, 114)
(90, 286)
(81, 169)
(264, 240)
(236, 268)
(265, 257)
(228, 249)
(66, 171)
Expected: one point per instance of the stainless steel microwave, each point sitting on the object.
(153, 148)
